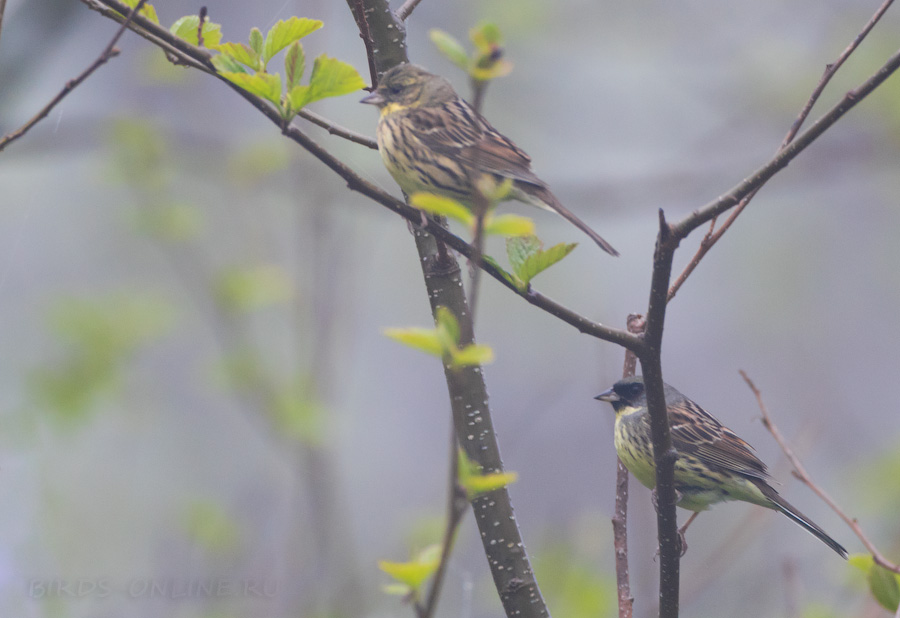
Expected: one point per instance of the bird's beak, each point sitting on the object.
(608, 395)
(373, 99)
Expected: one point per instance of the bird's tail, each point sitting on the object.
(542, 197)
(788, 509)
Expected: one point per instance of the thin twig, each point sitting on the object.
(457, 505)
(109, 52)
(335, 129)
(635, 324)
(711, 237)
(406, 10)
(801, 473)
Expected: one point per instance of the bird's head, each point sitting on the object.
(626, 393)
(408, 85)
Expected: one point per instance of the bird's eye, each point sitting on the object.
(395, 88)
(635, 389)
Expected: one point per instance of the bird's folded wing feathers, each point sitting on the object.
(695, 432)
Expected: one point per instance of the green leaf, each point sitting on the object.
(443, 206)
(265, 85)
(332, 78)
(186, 28)
(294, 64)
(246, 289)
(885, 587)
(528, 262)
(472, 354)
(520, 249)
(256, 41)
(518, 283)
(447, 321)
(471, 478)
(491, 70)
(227, 64)
(415, 572)
(486, 35)
(242, 53)
(424, 339)
(450, 47)
(298, 417)
(509, 225)
(284, 33)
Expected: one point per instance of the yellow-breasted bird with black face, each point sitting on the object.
(431, 140)
(713, 463)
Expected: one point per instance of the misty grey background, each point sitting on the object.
(625, 108)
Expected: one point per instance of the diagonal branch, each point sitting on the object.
(108, 52)
(406, 10)
(713, 236)
(801, 473)
(199, 58)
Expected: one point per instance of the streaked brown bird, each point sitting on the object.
(432, 140)
(713, 463)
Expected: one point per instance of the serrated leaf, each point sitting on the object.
(284, 33)
(473, 354)
(265, 85)
(294, 64)
(885, 587)
(332, 78)
(423, 339)
(415, 572)
(509, 225)
(450, 47)
(186, 28)
(444, 206)
(256, 41)
(298, 97)
(448, 321)
(540, 260)
(227, 64)
(242, 53)
(520, 249)
(147, 10)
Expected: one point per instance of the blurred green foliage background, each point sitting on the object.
(201, 417)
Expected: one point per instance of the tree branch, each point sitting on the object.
(635, 324)
(109, 52)
(406, 10)
(713, 236)
(801, 473)
(663, 451)
(338, 130)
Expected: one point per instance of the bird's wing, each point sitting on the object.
(456, 131)
(697, 433)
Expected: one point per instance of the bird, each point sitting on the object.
(431, 140)
(712, 465)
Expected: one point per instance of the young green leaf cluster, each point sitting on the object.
(443, 342)
(497, 225)
(486, 62)
(529, 258)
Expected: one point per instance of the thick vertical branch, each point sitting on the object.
(503, 546)
(664, 452)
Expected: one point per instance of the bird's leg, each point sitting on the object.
(683, 529)
(681, 540)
